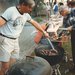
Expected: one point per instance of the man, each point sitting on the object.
(12, 22)
(48, 9)
(69, 22)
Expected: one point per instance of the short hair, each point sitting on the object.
(61, 8)
(27, 2)
(54, 3)
(60, 3)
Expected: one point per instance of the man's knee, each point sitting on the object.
(4, 66)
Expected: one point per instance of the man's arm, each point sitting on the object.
(37, 26)
(72, 23)
(2, 21)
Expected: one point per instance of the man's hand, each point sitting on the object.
(69, 28)
(46, 34)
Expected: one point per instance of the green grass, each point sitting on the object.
(66, 66)
(38, 19)
(67, 48)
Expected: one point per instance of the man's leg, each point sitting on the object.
(73, 44)
(73, 48)
(6, 49)
(12, 61)
(4, 67)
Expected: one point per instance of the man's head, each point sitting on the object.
(26, 6)
(54, 3)
(63, 10)
(71, 4)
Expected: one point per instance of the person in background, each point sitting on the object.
(69, 23)
(12, 22)
(73, 33)
(48, 9)
(69, 4)
(60, 3)
(55, 8)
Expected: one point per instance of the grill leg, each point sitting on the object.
(56, 70)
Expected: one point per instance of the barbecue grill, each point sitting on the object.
(32, 65)
(44, 51)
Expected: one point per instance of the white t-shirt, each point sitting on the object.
(15, 22)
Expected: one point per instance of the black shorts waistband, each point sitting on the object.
(7, 36)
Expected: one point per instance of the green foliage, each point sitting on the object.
(38, 7)
(67, 48)
(39, 19)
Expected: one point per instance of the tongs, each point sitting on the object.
(52, 46)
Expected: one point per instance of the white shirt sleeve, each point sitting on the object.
(7, 14)
(27, 16)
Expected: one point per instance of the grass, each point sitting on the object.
(38, 19)
(67, 48)
(65, 66)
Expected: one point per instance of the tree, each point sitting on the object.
(38, 7)
(6, 3)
